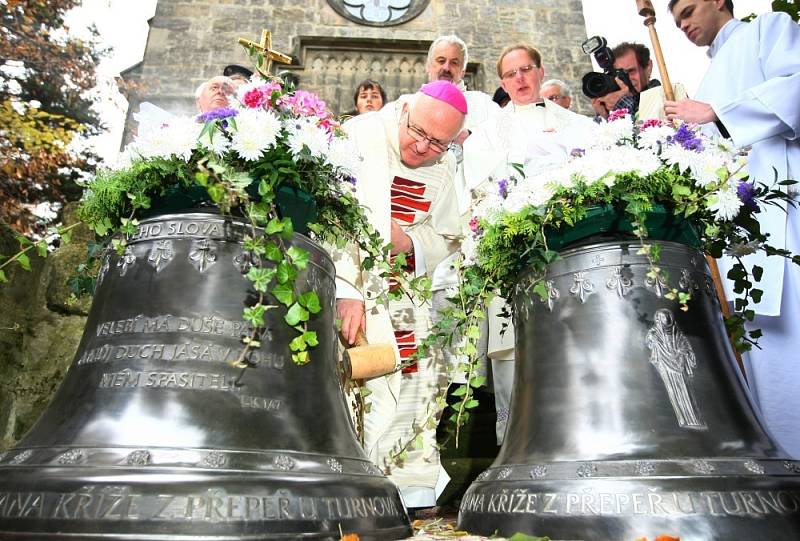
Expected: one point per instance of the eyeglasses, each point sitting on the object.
(419, 135)
(555, 97)
(510, 74)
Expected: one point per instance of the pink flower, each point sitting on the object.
(616, 115)
(650, 123)
(474, 226)
(255, 98)
(303, 103)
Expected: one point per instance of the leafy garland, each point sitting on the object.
(225, 157)
(519, 221)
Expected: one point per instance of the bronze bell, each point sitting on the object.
(155, 435)
(629, 417)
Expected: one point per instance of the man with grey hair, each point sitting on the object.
(214, 93)
(556, 91)
(447, 61)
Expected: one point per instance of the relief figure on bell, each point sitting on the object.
(671, 354)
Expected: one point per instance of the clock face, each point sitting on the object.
(379, 12)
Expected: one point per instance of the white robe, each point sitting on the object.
(422, 201)
(753, 85)
(537, 137)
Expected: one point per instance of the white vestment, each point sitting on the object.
(753, 85)
(537, 137)
(422, 201)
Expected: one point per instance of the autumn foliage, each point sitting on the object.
(45, 76)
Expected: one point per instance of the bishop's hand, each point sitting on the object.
(401, 242)
(351, 313)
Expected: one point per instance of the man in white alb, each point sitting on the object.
(531, 132)
(751, 92)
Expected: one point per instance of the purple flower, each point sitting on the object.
(502, 188)
(746, 192)
(217, 114)
(351, 180)
(685, 137)
(578, 152)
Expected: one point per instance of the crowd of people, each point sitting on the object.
(427, 156)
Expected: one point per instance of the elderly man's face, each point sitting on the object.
(215, 94)
(640, 75)
(554, 94)
(426, 129)
(447, 64)
(520, 77)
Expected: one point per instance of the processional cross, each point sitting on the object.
(266, 54)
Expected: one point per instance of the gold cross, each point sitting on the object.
(267, 54)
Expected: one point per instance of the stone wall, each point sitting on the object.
(40, 328)
(192, 40)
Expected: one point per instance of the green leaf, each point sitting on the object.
(24, 261)
(260, 277)
(470, 404)
(296, 314)
(286, 272)
(311, 338)
(461, 390)
(758, 272)
(310, 301)
(288, 229)
(299, 257)
(298, 344)
(216, 192)
(477, 381)
(3, 278)
(274, 226)
(273, 252)
(473, 332)
(284, 294)
(41, 247)
(255, 315)
(301, 358)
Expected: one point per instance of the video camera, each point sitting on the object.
(597, 85)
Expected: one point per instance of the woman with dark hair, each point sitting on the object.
(369, 96)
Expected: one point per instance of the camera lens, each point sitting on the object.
(596, 85)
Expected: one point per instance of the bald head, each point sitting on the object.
(427, 127)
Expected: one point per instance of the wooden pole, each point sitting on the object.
(645, 8)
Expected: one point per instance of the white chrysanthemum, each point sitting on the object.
(705, 169)
(655, 136)
(677, 155)
(256, 131)
(632, 160)
(593, 166)
(539, 192)
(178, 138)
(215, 141)
(343, 154)
(724, 203)
(609, 134)
(306, 133)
